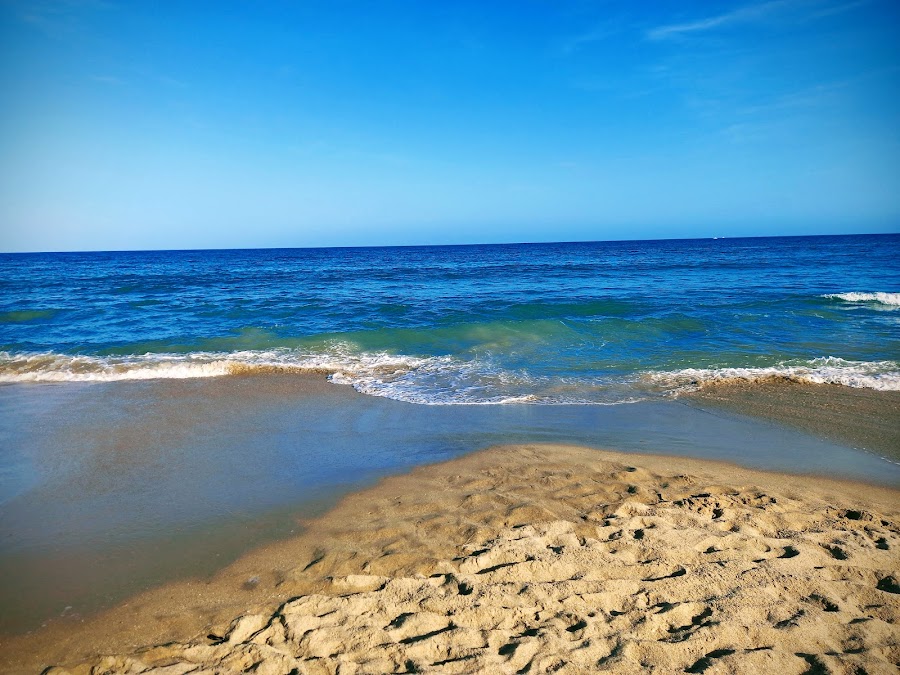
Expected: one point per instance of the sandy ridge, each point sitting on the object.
(532, 559)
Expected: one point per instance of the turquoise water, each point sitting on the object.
(602, 322)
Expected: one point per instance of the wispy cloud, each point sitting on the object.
(108, 79)
(139, 77)
(56, 17)
(170, 81)
(747, 13)
(576, 42)
(811, 97)
(751, 133)
(839, 9)
(770, 11)
(819, 95)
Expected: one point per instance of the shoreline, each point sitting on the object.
(530, 500)
(867, 419)
(143, 483)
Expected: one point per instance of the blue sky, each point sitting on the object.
(130, 125)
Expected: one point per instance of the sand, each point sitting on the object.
(862, 418)
(533, 559)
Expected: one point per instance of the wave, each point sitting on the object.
(891, 299)
(881, 375)
(55, 367)
(434, 380)
(426, 380)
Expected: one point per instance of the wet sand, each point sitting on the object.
(108, 490)
(863, 418)
(534, 558)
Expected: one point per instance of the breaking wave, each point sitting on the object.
(55, 367)
(427, 380)
(890, 299)
(435, 380)
(881, 375)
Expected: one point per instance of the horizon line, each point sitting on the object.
(468, 244)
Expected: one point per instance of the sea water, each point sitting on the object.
(596, 323)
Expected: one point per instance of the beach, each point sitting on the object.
(125, 486)
(390, 437)
(534, 558)
(503, 338)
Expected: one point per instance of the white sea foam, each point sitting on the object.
(53, 367)
(881, 375)
(438, 380)
(444, 380)
(890, 299)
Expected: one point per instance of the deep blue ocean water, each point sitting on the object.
(596, 322)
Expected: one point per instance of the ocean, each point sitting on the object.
(163, 412)
(585, 323)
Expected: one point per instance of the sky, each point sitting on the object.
(143, 125)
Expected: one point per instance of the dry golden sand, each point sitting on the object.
(533, 559)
